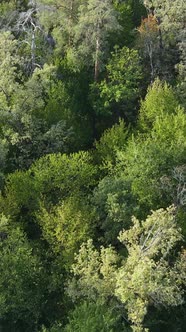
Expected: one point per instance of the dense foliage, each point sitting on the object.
(92, 166)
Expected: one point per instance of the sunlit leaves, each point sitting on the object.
(146, 277)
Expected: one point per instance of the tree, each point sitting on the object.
(151, 43)
(130, 13)
(20, 17)
(93, 317)
(149, 158)
(67, 225)
(21, 280)
(121, 89)
(93, 273)
(33, 127)
(3, 154)
(9, 11)
(52, 178)
(29, 138)
(64, 14)
(145, 278)
(9, 73)
(113, 140)
(96, 19)
(90, 316)
(114, 205)
(160, 100)
(171, 17)
(28, 25)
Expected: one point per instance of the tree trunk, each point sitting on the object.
(33, 49)
(96, 67)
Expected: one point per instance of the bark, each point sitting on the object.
(96, 67)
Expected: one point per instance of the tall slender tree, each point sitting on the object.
(171, 18)
(96, 20)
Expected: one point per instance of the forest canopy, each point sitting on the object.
(92, 166)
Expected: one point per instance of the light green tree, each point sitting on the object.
(67, 225)
(144, 278)
(159, 101)
(149, 158)
(94, 273)
(52, 178)
(147, 278)
(113, 140)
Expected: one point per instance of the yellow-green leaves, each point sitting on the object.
(112, 141)
(95, 272)
(145, 278)
(156, 235)
(159, 101)
(67, 225)
(149, 157)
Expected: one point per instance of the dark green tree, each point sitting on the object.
(22, 280)
(120, 90)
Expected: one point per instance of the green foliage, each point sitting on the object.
(53, 178)
(148, 159)
(146, 277)
(67, 225)
(29, 138)
(3, 154)
(171, 17)
(27, 129)
(69, 73)
(121, 88)
(37, 89)
(114, 205)
(96, 19)
(64, 14)
(130, 13)
(21, 280)
(95, 273)
(67, 103)
(67, 173)
(53, 97)
(112, 141)
(9, 12)
(93, 317)
(125, 19)
(8, 70)
(171, 14)
(160, 100)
